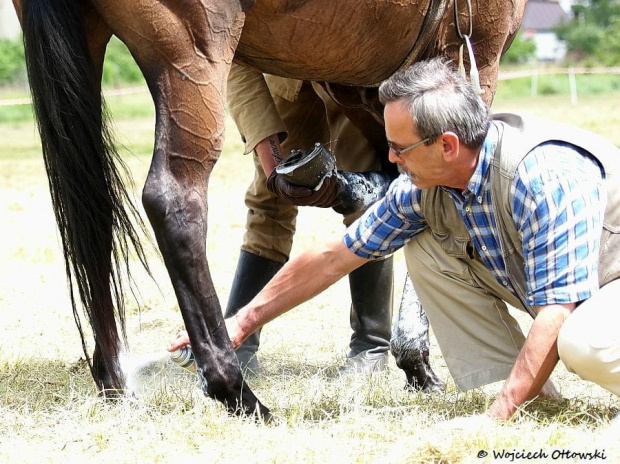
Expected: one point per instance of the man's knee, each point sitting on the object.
(591, 356)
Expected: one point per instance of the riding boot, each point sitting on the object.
(252, 274)
(371, 316)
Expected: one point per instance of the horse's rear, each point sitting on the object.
(185, 50)
(185, 55)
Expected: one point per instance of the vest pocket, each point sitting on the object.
(453, 245)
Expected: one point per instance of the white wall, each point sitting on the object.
(9, 25)
(548, 47)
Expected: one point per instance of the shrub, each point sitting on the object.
(119, 66)
(12, 63)
(521, 50)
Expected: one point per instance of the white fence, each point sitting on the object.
(106, 93)
(570, 72)
(503, 76)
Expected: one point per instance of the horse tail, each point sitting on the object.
(93, 211)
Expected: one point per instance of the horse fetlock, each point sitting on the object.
(424, 380)
(237, 397)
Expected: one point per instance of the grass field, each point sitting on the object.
(49, 411)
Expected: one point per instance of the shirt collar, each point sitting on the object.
(481, 173)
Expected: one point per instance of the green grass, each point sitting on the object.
(558, 84)
(122, 106)
(49, 410)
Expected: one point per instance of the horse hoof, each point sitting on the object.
(307, 168)
(426, 384)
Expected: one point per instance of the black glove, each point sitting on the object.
(324, 197)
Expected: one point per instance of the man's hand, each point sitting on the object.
(234, 331)
(325, 197)
(537, 359)
(232, 326)
(179, 342)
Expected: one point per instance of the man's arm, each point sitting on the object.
(252, 107)
(269, 153)
(299, 280)
(535, 362)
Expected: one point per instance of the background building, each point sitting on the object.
(539, 22)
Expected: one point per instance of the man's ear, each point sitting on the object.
(450, 145)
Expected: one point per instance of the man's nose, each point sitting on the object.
(393, 158)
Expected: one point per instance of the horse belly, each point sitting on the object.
(345, 41)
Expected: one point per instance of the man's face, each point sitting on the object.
(423, 163)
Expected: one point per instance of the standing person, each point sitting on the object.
(490, 211)
(275, 115)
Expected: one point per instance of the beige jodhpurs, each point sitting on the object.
(589, 341)
(312, 118)
(480, 341)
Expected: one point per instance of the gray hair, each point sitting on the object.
(439, 99)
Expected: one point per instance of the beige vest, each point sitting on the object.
(517, 137)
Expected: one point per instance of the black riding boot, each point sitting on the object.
(252, 274)
(371, 316)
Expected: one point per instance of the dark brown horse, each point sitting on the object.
(184, 49)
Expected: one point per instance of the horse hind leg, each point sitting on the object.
(410, 343)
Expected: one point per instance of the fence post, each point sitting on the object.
(572, 83)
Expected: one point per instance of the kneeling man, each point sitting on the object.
(490, 211)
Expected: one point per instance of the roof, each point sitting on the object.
(543, 15)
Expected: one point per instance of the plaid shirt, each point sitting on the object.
(558, 203)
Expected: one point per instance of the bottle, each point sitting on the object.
(184, 357)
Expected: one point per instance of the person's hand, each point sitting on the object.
(233, 328)
(325, 197)
(234, 331)
(179, 342)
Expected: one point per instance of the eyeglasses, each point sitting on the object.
(400, 151)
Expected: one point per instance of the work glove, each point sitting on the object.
(326, 196)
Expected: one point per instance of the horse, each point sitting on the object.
(185, 50)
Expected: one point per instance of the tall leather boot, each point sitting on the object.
(252, 274)
(371, 316)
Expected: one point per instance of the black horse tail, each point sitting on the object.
(92, 208)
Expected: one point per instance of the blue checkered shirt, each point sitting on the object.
(558, 204)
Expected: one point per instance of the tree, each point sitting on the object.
(12, 62)
(593, 31)
(521, 50)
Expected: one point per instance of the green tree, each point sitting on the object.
(593, 31)
(119, 66)
(12, 63)
(521, 50)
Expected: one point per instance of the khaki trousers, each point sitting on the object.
(467, 310)
(480, 340)
(312, 117)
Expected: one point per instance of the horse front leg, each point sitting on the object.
(410, 343)
(189, 137)
(186, 65)
(175, 199)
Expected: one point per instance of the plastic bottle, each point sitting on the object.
(184, 357)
